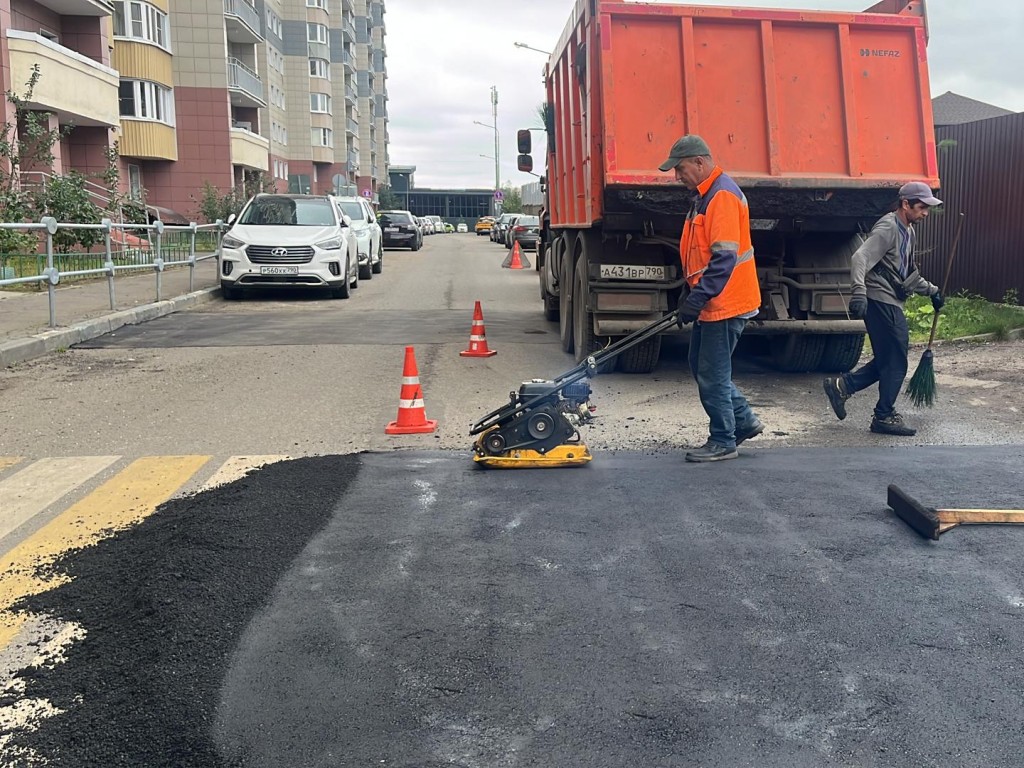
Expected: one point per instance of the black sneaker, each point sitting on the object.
(836, 396)
(892, 425)
(755, 429)
(711, 452)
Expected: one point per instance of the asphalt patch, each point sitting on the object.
(164, 604)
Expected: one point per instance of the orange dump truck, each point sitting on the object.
(819, 116)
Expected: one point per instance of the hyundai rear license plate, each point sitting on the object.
(279, 270)
(632, 272)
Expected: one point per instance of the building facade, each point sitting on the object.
(289, 93)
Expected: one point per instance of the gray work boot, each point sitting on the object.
(711, 451)
(837, 395)
(892, 425)
(754, 429)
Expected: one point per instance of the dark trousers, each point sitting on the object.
(711, 348)
(890, 339)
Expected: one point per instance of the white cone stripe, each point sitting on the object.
(410, 404)
(406, 380)
(476, 338)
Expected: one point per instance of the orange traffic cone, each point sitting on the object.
(412, 417)
(518, 260)
(478, 337)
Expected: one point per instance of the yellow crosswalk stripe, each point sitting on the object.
(42, 483)
(128, 497)
(238, 466)
(8, 461)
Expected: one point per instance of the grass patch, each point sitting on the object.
(962, 316)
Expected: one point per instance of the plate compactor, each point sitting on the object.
(540, 425)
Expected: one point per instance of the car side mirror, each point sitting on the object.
(231, 219)
(345, 220)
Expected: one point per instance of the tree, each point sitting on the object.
(25, 142)
(213, 204)
(66, 199)
(389, 200)
(513, 199)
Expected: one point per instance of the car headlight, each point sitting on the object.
(334, 244)
(231, 242)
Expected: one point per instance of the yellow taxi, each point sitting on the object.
(484, 224)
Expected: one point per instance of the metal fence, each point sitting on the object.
(981, 165)
(153, 247)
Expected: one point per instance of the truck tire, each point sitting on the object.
(642, 358)
(584, 339)
(797, 353)
(842, 352)
(551, 308)
(565, 308)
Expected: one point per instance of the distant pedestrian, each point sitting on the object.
(718, 263)
(884, 275)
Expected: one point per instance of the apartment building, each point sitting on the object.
(208, 91)
(69, 42)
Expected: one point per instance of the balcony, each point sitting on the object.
(245, 86)
(249, 150)
(72, 86)
(348, 5)
(350, 94)
(348, 59)
(77, 7)
(352, 127)
(148, 140)
(242, 22)
(353, 160)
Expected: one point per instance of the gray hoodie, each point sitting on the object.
(883, 244)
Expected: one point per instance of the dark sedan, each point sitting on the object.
(526, 232)
(399, 230)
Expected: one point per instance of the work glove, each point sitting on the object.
(938, 301)
(858, 307)
(687, 311)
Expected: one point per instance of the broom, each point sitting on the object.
(921, 388)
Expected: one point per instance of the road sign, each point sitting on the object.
(499, 195)
(367, 193)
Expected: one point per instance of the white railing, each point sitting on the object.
(152, 253)
(99, 195)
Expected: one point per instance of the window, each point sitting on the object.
(316, 33)
(141, 21)
(320, 102)
(316, 4)
(135, 182)
(146, 101)
(275, 59)
(322, 137)
(274, 23)
(51, 36)
(320, 68)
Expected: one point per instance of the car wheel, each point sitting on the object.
(354, 276)
(415, 246)
(230, 291)
(379, 266)
(366, 270)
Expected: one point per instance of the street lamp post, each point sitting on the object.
(497, 154)
(531, 48)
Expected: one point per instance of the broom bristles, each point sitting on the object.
(921, 388)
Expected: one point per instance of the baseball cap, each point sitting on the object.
(690, 145)
(918, 190)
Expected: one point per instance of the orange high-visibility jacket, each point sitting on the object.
(715, 249)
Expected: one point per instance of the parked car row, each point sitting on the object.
(433, 225)
(310, 240)
(512, 228)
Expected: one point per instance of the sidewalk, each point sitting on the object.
(83, 309)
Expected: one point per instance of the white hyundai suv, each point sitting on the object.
(281, 239)
(368, 235)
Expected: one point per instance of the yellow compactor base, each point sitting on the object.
(575, 455)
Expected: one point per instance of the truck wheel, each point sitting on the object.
(841, 353)
(551, 303)
(584, 339)
(797, 353)
(565, 308)
(642, 358)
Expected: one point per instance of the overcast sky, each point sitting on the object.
(444, 56)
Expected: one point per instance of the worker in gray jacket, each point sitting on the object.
(884, 275)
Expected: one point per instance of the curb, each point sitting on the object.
(1014, 334)
(20, 350)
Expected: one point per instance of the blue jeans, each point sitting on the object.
(887, 328)
(711, 348)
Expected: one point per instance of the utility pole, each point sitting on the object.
(497, 153)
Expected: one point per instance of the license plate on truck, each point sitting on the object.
(632, 272)
(279, 270)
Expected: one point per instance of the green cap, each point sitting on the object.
(690, 145)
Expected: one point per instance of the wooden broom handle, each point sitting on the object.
(949, 269)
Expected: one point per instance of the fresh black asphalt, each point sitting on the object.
(409, 609)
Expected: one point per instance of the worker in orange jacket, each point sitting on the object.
(718, 263)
